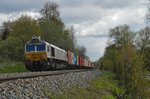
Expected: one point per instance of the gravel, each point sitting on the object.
(41, 87)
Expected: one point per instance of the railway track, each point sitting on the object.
(15, 76)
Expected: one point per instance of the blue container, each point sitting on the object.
(75, 59)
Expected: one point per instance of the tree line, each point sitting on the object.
(128, 55)
(49, 26)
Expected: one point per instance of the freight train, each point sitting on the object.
(42, 56)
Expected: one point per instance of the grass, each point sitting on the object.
(102, 87)
(12, 67)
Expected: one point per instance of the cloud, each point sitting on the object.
(95, 46)
(15, 15)
(101, 3)
(3, 17)
(111, 18)
(7, 6)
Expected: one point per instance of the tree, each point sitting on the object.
(130, 62)
(6, 29)
(12, 49)
(81, 50)
(50, 10)
(72, 35)
(54, 30)
(143, 39)
(147, 58)
(121, 35)
(110, 58)
(25, 27)
(143, 45)
(148, 13)
(22, 30)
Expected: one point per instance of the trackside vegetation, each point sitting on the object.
(13, 68)
(101, 87)
(8, 66)
(125, 57)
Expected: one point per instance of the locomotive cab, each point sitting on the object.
(36, 50)
(36, 53)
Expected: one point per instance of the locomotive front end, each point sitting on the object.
(36, 55)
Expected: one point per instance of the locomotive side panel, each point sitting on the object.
(58, 54)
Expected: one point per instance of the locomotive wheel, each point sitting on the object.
(29, 66)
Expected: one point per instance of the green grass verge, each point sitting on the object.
(12, 68)
(102, 87)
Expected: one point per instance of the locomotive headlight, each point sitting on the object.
(43, 57)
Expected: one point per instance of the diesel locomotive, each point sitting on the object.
(41, 56)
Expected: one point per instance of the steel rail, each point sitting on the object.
(15, 76)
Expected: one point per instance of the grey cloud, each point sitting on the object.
(78, 14)
(104, 35)
(71, 10)
(101, 3)
(95, 46)
(117, 3)
(7, 6)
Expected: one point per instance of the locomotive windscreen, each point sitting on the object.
(40, 47)
(30, 48)
(35, 47)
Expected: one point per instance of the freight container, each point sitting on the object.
(91, 64)
(72, 58)
(69, 57)
(72, 55)
(79, 60)
(88, 64)
(85, 62)
(75, 59)
(82, 61)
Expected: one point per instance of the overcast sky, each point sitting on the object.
(91, 19)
